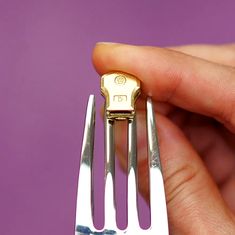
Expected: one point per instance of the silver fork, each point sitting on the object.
(126, 86)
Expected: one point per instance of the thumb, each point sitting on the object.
(194, 203)
(178, 78)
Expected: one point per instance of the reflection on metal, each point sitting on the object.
(120, 91)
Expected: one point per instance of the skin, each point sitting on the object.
(193, 88)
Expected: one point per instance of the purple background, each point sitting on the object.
(46, 75)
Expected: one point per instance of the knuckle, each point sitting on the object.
(226, 112)
(230, 55)
(229, 116)
(178, 183)
(176, 78)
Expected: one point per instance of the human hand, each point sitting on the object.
(194, 92)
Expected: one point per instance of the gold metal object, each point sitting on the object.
(120, 91)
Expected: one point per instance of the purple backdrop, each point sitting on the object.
(46, 75)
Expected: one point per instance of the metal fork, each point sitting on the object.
(120, 88)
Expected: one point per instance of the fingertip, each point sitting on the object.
(96, 56)
(101, 55)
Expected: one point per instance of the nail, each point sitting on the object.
(106, 43)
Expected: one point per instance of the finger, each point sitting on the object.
(206, 138)
(222, 54)
(230, 138)
(228, 192)
(161, 107)
(216, 153)
(193, 201)
(182, 80)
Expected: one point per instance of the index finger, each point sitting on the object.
(189, 82)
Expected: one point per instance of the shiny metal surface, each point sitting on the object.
(159, 221)
(132, 190)
(84, 207)
(109, 201)
(84, 211)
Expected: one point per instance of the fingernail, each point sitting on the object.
(106, 43)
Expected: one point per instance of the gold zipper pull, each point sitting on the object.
(120, 91)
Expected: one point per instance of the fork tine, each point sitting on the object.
(84, 208)
(159, 222)
(133, 221)
(110, 204)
